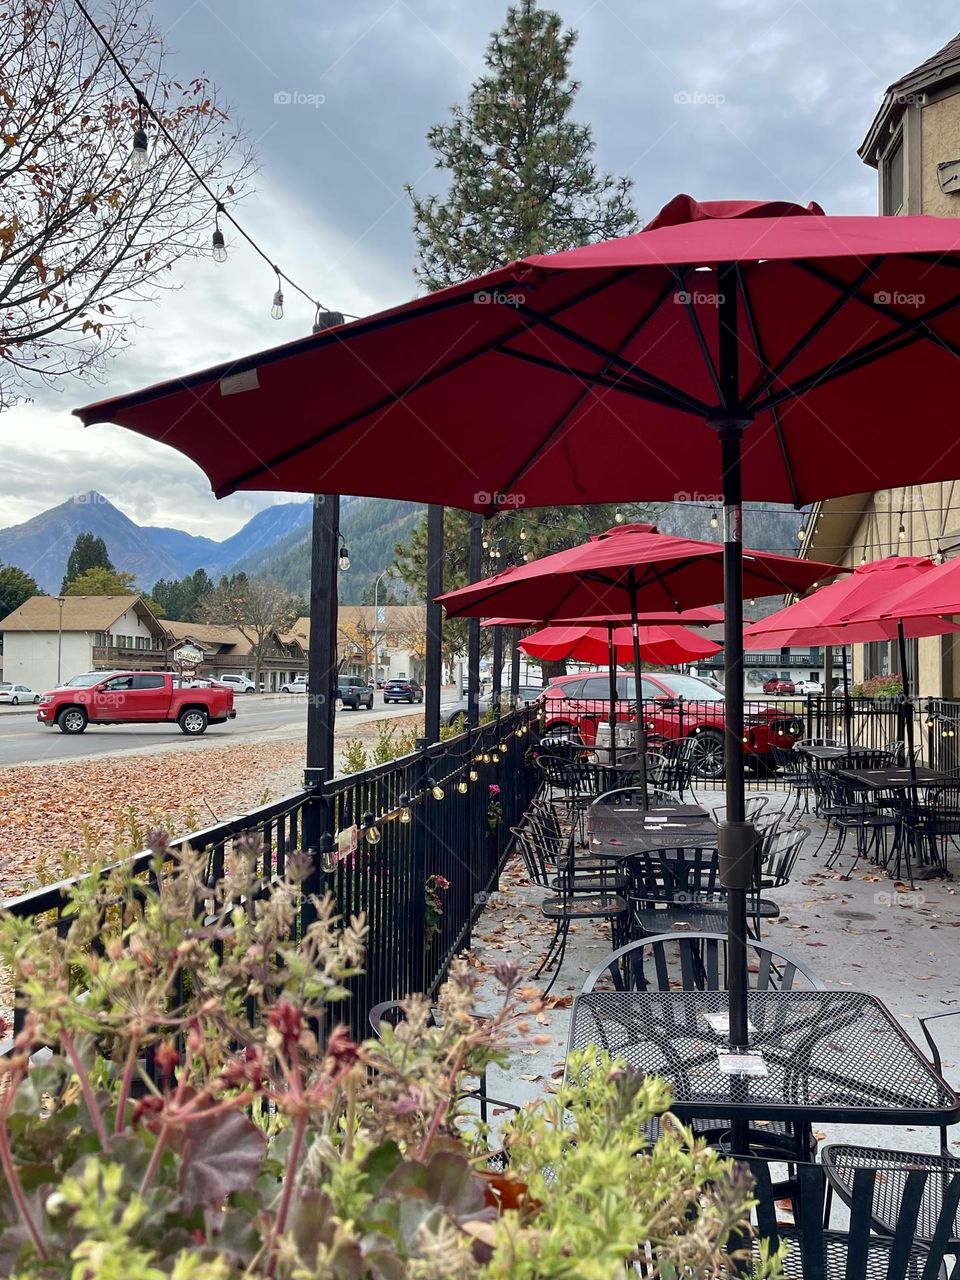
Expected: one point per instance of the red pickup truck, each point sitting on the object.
(134, 697)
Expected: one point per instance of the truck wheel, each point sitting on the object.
(72, 720)
(193, 721)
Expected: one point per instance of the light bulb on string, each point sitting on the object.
(495, 758)
(405, 814)
(463, 786)
(343, 559)
(863, 556)
(370, 828)
(714, 521)
(618, 516)
(219, 247)
(138, 152)
(901, 531)
(523, 534)
(437, 791)
(938, 557)
(328, 853)
(474, 775)
(276, 311)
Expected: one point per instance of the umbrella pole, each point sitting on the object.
(611, 659)
(847, 708)
(641, 732)
(907, 704)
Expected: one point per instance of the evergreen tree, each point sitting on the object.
(522, 180)
(180, 598)
(16, 586)
(522, 175)
(88, 552)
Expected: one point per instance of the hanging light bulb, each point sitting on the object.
(437, 791)
(463, 786)
(474, 775)
(618, 516)
(863, 556)
(138, 152)
(486, 757)
(370, 828)
(528, 556)
(938, 558)
(714, 522)
(343, 559)
(328, 853)
(523, 534)
(801, 534)
(276, 311)
(495, 757)
(405, 814)
(219, 247)
(901, 531)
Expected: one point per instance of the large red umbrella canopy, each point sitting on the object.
(588, 376)
(933, 597)
(663, 646)
(628, 566)
(850, 610)
(704, 617)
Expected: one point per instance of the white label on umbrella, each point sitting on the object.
(237, 382)
(741, 1064)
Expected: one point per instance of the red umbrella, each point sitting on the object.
(630, 569)
(705, 617)
(604, 374)
(850, 611)
(661, 645)
(934, 596)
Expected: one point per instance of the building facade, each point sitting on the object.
(913, 144)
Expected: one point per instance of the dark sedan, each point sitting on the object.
(402, 691)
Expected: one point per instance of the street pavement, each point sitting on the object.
(260, 717)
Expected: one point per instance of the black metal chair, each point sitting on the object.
(590, 875)
(670, 766)
(563, 902)
(778, 856)
(791, 768)
(934, 825)
(842, 1163)
(698, 962)
(850, 811)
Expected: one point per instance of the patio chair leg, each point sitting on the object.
(550, 950)
(559, 964)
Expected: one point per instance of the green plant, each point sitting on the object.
(890, 686)
(433, 904)
(354, 757)
(494, 808)
(268, 1145)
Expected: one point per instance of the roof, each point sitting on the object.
(80, 613)
(208, 634)
(939, 70)
(397, 617)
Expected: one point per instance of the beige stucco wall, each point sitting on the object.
(939, 141)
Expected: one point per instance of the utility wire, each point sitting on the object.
(144, 105)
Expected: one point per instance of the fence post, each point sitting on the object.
(420, 839)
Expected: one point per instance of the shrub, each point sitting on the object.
(879, 687)
(266, 1143)
(354, 757)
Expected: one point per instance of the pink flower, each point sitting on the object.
(494, 789)
(441, 882)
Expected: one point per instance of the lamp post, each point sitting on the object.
(386, 573)
(60, 602)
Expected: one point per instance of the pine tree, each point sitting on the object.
(16, 586)
(522, 175)
(88, 552)
(522, 180)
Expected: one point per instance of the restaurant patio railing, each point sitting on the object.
(416, 845)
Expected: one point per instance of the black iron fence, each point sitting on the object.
(415, 845)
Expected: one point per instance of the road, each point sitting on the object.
(259, 717)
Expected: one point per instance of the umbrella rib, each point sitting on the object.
(614, 357)
(774, 413)
(873, 351)
(618, 384)
(847, 292)
(680, 279)
(397, 397)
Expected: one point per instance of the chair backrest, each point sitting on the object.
(698, 962)
(753, 807)
(574, 775)
(671, 767)
(541, 868)
(818, 742)
(857, 1253)
(897, 750)
(786, 760)
(675, 874)
(779, 854)
(625, 797)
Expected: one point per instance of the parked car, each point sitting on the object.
(13, 694)
(777, 684)
(239, 684)
(713, 682)
(355, 692)
(402, 690)
(135, 697)
(297, 685)
(528, 693)
(807, 686)
(674, 706)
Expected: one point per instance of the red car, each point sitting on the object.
(675, 706)
(776, 685)
(134, 697)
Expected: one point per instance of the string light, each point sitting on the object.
(939, 556)
(405, 814)
(371, 829)
(138, 152)
(474, 775)
(463, 786)
(901, 531)
(437, 791)
(714, 522)
(618, 516)
(863, 556)
(328, 853)
(219, 247)
(343, 558)
(276, 311)
(523, 534)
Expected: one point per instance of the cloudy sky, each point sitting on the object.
(719, 98)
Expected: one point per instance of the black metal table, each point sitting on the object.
(896, 778)
(828, 1055)
(827, 755)
(619, 832)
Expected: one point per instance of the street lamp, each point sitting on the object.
(386, 573)
(60, 602)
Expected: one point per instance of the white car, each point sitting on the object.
(807, 686)
(13, 694)
(297, 685)
(239, 684)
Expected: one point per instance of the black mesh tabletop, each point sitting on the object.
(618, 832)
(896, 777)
(829, 1055)
(824, 754)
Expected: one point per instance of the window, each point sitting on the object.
(876, 659)
(147, 682)
(119, 682)
(893, 178)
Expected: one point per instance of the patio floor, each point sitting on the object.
(866, 932)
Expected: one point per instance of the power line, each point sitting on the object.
(144, 105)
